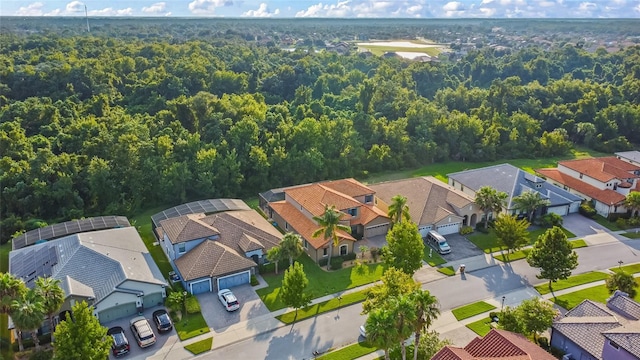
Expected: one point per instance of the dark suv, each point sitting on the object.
(120, 344)
(162, 320)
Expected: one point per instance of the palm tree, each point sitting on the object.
(632, 202)
(381, 329)
(27, 315)
(275, 255)
(529, 202)
(426, 306)
(291, 246)
(490, 200)
(405, 313)
(329, 225)
(398, 209)
(11, 288)
(53, 295)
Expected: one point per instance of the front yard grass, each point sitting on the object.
(470, 310)
(632, 235)
(191, 325)
(321, 282)
(449, 270)
(481, 327)
(572, 281)
(322, 307)
(489, 242)
(629, 269)
(606, 223)
(596, 293)
(200, 347)
(435, 259)
(521, 254)
(349, 352)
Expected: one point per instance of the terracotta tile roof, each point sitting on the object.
(315, 196)
(429, 199)
(602, 169)
(186, 228)
(211, 259)
(608, 196)
(302, 224)
(349, 187)
(497, 344)
(368, 213)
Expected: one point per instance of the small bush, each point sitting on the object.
(543, 342)
(550, 220)
(336, 263)
(323, 261)
(558, 353)
(254, 280)
(374, 253)
(41, 355)
(634, 221)
(587, 210)
(613, 217)
(493, 314)
(465, 230)
(621, 223)
(349, 256)
(192, 304)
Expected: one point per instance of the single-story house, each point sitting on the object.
(514, 182)
(594, 331)
(217, 251)
(110, 269)
(433, 205)
(605, 181)
(496, 345)
(293, 209)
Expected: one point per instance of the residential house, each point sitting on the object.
(514, 182)
(293, 209)
(632, 157)
(433, 205)
(217, 251)
(593, 331)
(604, 181)
(110, 269)
(496, 345)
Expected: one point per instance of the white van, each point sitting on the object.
(438, 241)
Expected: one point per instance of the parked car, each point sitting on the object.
(142, 331)
(363, 331)
(438, 242)
(120, 344)
(162, 320)
(228, 300)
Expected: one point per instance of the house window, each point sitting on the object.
(286, 225)
(368, 199)
(182, 248)
(306, 244)
(343, 250)
(325, 252)
(614, 345)
(353, 212)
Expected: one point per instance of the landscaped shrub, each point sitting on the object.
(465, 230)
(543, 342)
(28, 343)
(192, 304)
(621, 223)
(550, 220)
(323, 261)
(493, 314)
(587, 210)
(558, 353)
(336, 263)
(254, 280)
(41, 355)
(349, 256)
(374, 253)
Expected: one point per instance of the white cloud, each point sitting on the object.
(263, 11)
(487, 12)
(340, 9)
(209, 7)
(453, 6)
(587, 6)
(74, 7)
(34, 9)
(112, 12)
(156, 8)
(414, 10)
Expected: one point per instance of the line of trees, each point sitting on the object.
(106, 125)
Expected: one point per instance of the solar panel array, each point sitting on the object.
(69, 228)
(30, 265)
(202, 206)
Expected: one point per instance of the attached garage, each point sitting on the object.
(448, 228)
(376, 230)
(117, 312)
(238, 279)
(560, 210)
(200, 287)
(424, 230)
(151, 300)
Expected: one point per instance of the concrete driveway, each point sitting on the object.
(461, 248)
(582, 226)
(220, 319)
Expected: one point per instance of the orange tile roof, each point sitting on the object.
(315, 196)
(496, 345)
(302, 224)
(608, 196)
(602, 169)
(350, 187)
(368, 213)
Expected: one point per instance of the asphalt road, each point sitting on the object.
(340, 328)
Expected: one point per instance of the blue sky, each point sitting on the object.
(329, 8)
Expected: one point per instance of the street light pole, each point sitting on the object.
(502, 308)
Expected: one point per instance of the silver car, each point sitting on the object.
(142, 331)
(228, 300)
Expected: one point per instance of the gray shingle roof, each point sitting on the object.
(626, 339)
(624, 306)
(586, 335)
(211, 259)
(514, 182)
(589, 308)
(187, 228)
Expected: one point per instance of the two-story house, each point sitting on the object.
(293, 209)
(604, 181)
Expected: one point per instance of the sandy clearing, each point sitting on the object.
(411, 55)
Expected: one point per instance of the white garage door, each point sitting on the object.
(560, 210)
(448, 229)
(575, 207)
(424, 230)
(376, 230)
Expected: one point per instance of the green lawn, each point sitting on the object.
(489, 242)
(470, 310)
(521, 254)
(597, 293)
(200, 347)
(321, 282)
(572, 281)
(380, 50)
(142, 222)
(190, 326)
(323, 307)
(632, 235)
(435, 258)
(481, 327)
(449, 270)
(578, 243)
(606, 223)
(349, 352)
(629, 269)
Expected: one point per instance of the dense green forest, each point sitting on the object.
(96, 124)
